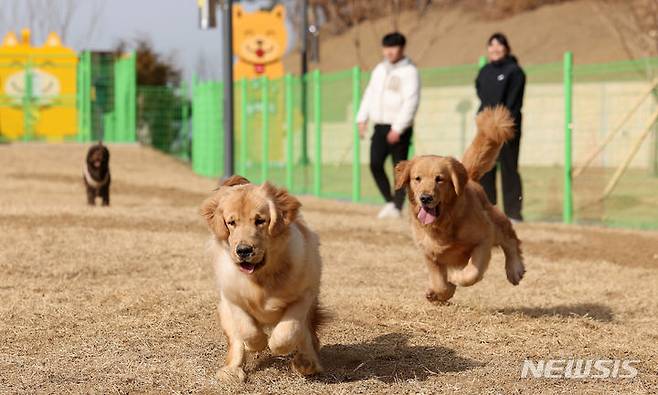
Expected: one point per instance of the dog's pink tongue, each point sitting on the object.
(247, 268)
(425, 217)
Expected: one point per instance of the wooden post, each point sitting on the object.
(636, 146)
(616, 130)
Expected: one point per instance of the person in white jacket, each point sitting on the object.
(390, 102)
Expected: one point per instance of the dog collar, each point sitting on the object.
(90, 180)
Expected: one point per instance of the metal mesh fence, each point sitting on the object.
(613, 140)
(616, 103)
(331, 162)
(163, 120)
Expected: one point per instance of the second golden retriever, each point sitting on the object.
(267, 264)
(453, 222)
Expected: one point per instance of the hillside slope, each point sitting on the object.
(456, 36)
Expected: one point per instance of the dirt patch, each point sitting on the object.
(98, 223)
(635, 249)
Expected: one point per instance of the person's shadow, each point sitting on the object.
(387, 358)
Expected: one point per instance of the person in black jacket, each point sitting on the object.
(502, 81)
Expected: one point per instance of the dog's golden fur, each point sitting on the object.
(454, 223)
(268, 268)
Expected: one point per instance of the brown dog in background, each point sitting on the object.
(453, 222)
(96, 174)
(268, 267)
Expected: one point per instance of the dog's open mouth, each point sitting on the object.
(427, 215)
(249, 267)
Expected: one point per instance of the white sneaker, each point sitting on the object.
(389, 211)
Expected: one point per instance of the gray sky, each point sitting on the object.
(171, 25)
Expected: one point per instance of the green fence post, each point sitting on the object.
(184, 115)
(482, 61)
(218, 131)
(131, 113)
(265, 108)
(243, 127)
(317, 120)
(567, 211)
(289, 131)
(196, 127)
(112, 131)
(83, 93)
(123, 122)
(87, 103)
(356, 158)
(27, 102)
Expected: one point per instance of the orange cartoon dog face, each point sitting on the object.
(259, 37)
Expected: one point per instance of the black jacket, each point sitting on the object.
(502, 82)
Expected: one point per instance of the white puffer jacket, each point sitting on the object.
(392, 95)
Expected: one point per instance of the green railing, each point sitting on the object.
(163, 119)
(106, 97)
(569, 109)
(270, 140)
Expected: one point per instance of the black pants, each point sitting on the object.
(380, 149)
(511, 179)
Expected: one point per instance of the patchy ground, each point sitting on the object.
(121, 299)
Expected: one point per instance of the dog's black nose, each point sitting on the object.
(426, 199)
(244, 250)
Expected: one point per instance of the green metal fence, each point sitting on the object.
(163, 119)
(208, 137)
(106, 97)
(568, 109)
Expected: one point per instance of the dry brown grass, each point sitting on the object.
(122, 299)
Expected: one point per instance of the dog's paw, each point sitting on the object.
(231, 374)
(285, 337)
(515, 272)
(306, 366)
(438, 297)
(256, 343)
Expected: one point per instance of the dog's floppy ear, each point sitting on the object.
(402, 174)
(234, 180)
(283, 208)
(458, 175)
(211, 211)
(211, 208)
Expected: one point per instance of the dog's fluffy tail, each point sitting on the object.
(317, 318)
(494, 126)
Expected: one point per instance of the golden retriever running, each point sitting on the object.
(453, 222)
(267, 264)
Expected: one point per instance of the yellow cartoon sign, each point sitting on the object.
(37, 88)
(259, 42)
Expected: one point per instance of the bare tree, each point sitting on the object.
(635, 23)
(45, 16)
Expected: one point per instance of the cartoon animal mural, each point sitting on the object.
(37, 88)
(259, 42)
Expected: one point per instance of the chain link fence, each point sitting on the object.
(612, 135)
(327, 159)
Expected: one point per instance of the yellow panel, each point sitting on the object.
(53, 69)
(259, 42)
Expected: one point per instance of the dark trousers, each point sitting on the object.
(380, 149)
(508, 159)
